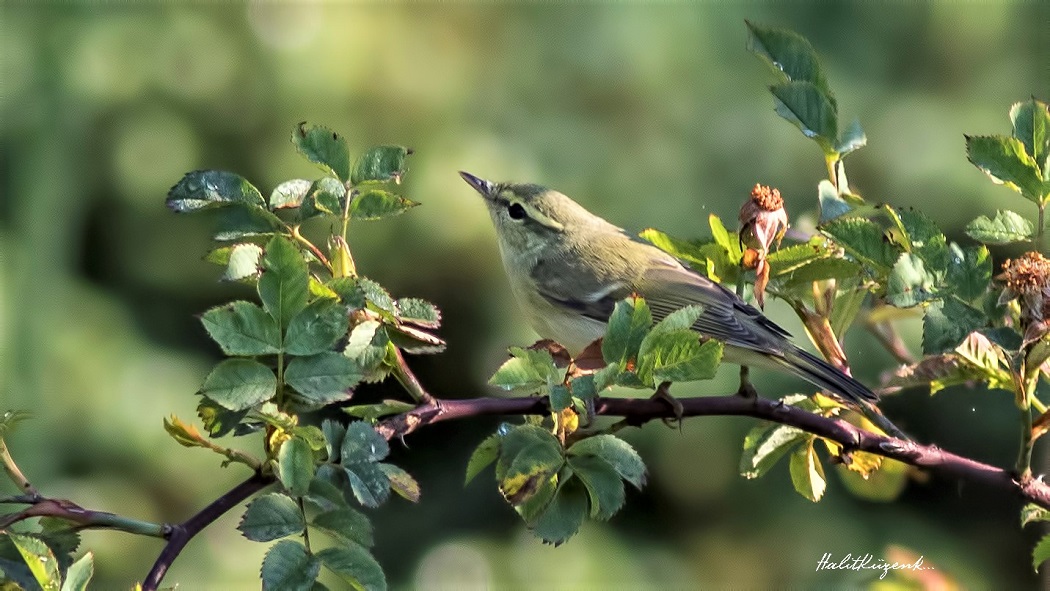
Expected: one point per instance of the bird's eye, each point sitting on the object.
(516, 211)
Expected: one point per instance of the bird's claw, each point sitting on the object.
(663, 392)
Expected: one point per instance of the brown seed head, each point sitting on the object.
(1028, 275)
(768, 198)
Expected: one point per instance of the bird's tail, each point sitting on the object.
(820, 373)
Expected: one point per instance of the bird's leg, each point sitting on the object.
(663, 392)
(746, 389)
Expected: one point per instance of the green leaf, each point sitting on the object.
(381, 163)
(283, 284)
(628, 325)
(947, 323)
(270, 517)
(346, 524)
(242, 328)
(925, 239)
(79, 574)
(354, 565)
(363, 444)
(486, 453)
(419, 312)
(367, 348)
(847, 304)
(528, 469)
(687, 251)
(334, 432)
(324, 147)
(326, 196)
(516, 441)
(527, 369)
(909, 284)
(851, 140)
(323, 494)
(794, 257)
(1041, 552)
(969, 271)
(1032, 513)
(317, 328)
(764, 445)
(402, 482)
(789, 54)
(604, 487)
(369, 483)
(241, 261)
(218, 420)
(289, 567)
(295, 466)
(205, 189)
(239, 221)
(323, 378)
(290, 193)
(678, 356)
(237, 384)
(807, 474)
(372, 412)
(39, 559)
(617, 453)
(810, 109)
(564, 515)
(1007, 227)
(820, 270)
(374, 204)
(1031, 125)
(559, 398)
(1004, 160)
(865, 240)
(831, 205)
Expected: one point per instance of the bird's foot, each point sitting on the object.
(746, 389)
(663, 392)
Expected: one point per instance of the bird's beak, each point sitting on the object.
(480, 185)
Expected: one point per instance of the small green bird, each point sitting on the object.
(569, 267)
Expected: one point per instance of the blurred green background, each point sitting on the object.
(653, 115)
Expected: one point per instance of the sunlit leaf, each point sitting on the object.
(1031, 125)
(1005, 161)
(482, 456)
(324, 147)
(1007, 227)
(283, 284)
(527, 369)
(290, 193)
(355, 566)
(374, 204)
(909, 283)
(402, 482)
(242, 328)
(628, 325)
(864, 240)
(316, 328)
(947, 323)
(79, 574)
(205, 189)
(39, 558)
(238, 384)
(295, 466)
(807, 474)
(764, 445)
(380, 163)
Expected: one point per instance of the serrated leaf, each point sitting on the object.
(327, 195)
(516, 439)
(414, 340)
(810, 109)
(820, 270)
(807, 474)
(909, 283)
(237, 384)
(528, 469)
(925, 239)
(39, 559)
(354, 565)
(205, 189)
(687, 251)
(323, 378)
(380, 163)
(242, 328)
(764, 445)
(969, 271)
(419, 312)
(362, 444)
(527, 369)
(791, 258)
(295, 466)
(349, 525)
(367, 347)
(1005, 161)
(1041, 552)
(789, 54)
(563, 516)
(316, 328)
(678, 356)
(831, 204)
(617, 453)
(482, 456)
(864, 240)
(604, 487)
(270, 517)
(283, 284)
(323, 494)
(289, 567)
(238, 221)
(79, 574)
(372, 412)
(1007, 227)
(369, 483)
(946, 324)
(629, 323)
(401, 482)
(324, 147)
(1031, 125)
(374, 204)
(1032, 513)
(290, 193)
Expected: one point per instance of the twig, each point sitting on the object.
(889, 338)
(409, 381)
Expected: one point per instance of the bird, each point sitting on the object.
(569, 267)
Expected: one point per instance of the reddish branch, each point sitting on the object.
(637, 412)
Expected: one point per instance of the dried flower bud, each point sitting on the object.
(1028, 280)
(762, 218)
